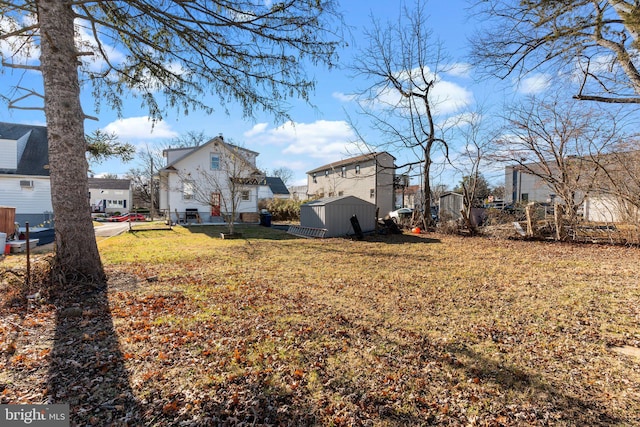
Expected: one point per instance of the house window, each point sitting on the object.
(116, 203)
(315, 178)
(245, 195)
(326, 173)
(188, 190)
(357, 169)
(372, 193)
(340, 193)
(331, 194)
(343, 171)
(215, 162)
(524, 197)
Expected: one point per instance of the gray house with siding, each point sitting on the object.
(369, 177)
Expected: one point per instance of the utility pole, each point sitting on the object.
(152, 189)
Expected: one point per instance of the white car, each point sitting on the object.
(401, 213)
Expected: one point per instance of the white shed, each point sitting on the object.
(334, 214)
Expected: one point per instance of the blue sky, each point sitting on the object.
(318, 135)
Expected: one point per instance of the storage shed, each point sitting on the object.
(450, 206)
(334, 214)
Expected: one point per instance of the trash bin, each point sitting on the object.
(265, 219)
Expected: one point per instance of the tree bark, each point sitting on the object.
(77, 256)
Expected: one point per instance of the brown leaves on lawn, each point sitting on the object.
(300, 332)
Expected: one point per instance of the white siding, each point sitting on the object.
(97, 195)
(171, 188)
(35, 200)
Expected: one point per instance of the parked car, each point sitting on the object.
(400, 214)
(127, 217)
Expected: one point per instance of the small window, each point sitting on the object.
(188, 189)
(215, 162)
(524, 197)
(331, 194)
(315, 178)
(343, 171)
(357, 169)
(340, 193)
(326, 173)
(245, 195)
(372, 193)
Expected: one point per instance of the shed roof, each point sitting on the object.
(35, 157)
(340, 200)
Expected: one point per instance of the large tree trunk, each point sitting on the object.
(77, 256)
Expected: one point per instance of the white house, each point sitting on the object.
(369, 177)
(24, 173)
(208, 181)
(272, 187)
(110, 195)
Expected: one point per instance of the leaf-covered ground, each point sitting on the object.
(271, 330)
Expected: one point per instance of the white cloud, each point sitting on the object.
(342, 97)
(140, 128)
(445, 97)
(322, 139)
(460, 69)
(17, 49)
(535, 84)
(256, 130)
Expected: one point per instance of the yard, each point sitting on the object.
(275, 330)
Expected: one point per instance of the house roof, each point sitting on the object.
(193, 150)
(34, 159)
(276, 185)
(349, 161)
(109, 184)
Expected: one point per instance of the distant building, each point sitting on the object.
(110, 195)
(369, 177)
(272, 187)
(298, 192)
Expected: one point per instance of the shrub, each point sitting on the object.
(283, 209)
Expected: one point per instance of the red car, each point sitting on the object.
(127, 217)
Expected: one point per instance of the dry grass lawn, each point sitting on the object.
(275, 330)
